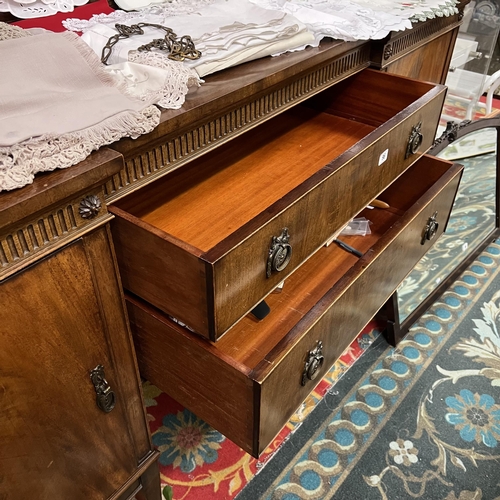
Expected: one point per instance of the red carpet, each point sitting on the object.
(198, 463)
(457, 110)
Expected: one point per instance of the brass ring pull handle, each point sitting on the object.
(280, 253)
(430, 228)
(314, 362)
(105, 397)
(415, 140)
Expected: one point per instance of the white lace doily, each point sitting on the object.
(171, 9)
(341, 19)
(38, 8)
(351, 20)
(153, 77)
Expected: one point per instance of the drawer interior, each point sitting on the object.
(371, 97)
(209, 199)
(328, 268)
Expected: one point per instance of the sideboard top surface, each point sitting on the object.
(53, 187)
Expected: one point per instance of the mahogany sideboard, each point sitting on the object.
(302, 142)
(72, 419)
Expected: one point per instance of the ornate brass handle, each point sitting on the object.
(280, 253)
(430, 228)
(314, 362)
(415, 140)
(105, 397)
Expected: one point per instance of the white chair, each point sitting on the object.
(467, 87)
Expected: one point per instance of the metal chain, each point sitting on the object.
(180, 49)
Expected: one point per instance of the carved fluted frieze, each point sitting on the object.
(142, 168)
(397, 44)
(30, 239)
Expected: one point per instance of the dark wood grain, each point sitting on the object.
(215, 195)
(357, 298)
(424, 64)
(52, 187)
(224, 90)
(62, 306)
(245, 97)
(395, 94)
(167, 272)
(305, 170)
(250, 378)
(413, 52)
(59, 320)
(210, 384)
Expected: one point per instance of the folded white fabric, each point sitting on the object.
(157, 79)
(351, 20)
(57, 105)
(227, 32)
(340, 19)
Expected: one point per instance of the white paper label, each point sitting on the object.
(383, 157)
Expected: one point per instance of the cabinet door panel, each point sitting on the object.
(53, 332)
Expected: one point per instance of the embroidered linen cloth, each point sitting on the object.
(227, 32)
(352, 20)
(341, 19)
(57, 105)
(157, 79)
(31, 9)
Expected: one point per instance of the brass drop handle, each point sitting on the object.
(415, 140)
(314, 362)
(280, 253)
(105, 397)
(430, 228)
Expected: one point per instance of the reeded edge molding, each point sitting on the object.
(398, 44)
(40, 235)
(159, 160)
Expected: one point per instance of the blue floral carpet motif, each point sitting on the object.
(420, 421)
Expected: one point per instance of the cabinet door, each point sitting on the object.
(59, 319)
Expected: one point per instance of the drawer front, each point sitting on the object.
(215, 285)
(377, 275)
(313, 212)
(250, 406)
(211, 386)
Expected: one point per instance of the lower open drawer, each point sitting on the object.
(249, 383)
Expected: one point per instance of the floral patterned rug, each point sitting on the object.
(419, 421)
(199, 463)
(455, 110)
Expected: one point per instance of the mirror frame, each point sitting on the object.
(454, 131)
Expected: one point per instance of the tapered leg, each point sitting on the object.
(393, 332)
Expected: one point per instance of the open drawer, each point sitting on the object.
(209, 241)
(249, 382)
